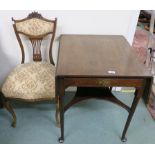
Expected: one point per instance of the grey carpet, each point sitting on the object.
(91, 121)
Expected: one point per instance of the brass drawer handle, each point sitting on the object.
(104, 82)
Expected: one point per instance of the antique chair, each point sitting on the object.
(32, 81)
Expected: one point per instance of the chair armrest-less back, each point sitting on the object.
(35, 27)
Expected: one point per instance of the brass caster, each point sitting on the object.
(61, 140)
(124, 139)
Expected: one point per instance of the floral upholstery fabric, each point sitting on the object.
(31, 81)
(35, 27)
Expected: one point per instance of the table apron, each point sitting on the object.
(104, 82)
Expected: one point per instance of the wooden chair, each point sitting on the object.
(32, 81)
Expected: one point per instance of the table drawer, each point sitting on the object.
(104, 82)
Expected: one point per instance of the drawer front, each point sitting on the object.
(103, 82)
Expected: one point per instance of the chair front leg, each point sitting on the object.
(9, 108)
(5, 103)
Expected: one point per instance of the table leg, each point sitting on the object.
(1, 100)
(61, 114)
(59, 96)
(138, 95)
(57, 114)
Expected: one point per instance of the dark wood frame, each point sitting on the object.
(31, 37)
(5, 100)
(98, 87)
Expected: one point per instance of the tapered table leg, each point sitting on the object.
(138, 95)
(61, 113)
(57, 114)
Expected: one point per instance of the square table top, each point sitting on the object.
(98, 56)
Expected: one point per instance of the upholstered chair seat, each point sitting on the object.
(31, 81)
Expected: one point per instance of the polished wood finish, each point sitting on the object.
(102, 82)
(95, 64)
(96, 55)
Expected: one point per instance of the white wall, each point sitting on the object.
(69, 22)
